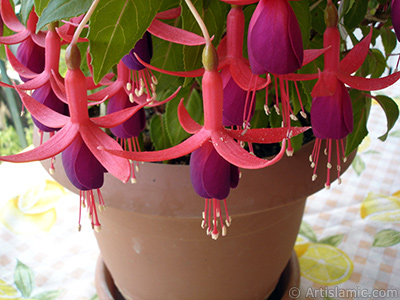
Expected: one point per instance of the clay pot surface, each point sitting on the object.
(153, 246)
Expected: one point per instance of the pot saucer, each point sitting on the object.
(290, 278)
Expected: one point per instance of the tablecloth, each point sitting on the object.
(348, 246)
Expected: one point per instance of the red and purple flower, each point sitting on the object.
(274, 39)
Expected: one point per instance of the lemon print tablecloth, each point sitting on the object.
(348, 245)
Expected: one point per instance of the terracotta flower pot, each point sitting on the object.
(154, 248)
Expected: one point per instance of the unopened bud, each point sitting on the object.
(210, 58)
(73, 57)
(331, 15)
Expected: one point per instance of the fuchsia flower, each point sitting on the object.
(75, 129)
(274, 39)
(22, 33)
(82, 168)
(331, 110)
(46, 96)
(30, 52)
(332, 116)
(144, 49)
(238, 107)
(212, 178)
(131, 127)
(31, 56)
(223, 140)
(395, 14)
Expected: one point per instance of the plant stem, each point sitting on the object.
(84, 21)
(199, 21)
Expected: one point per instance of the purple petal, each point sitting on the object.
(46, 96)
(396, 17)
(211, 175)
(82, 168)
(134, 125)
(274, 40)
(234, 101)
(332, 116)
(144, 49)
(31, 56)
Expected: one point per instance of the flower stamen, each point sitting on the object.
(210, 222)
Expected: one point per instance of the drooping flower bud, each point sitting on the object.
(332, 116)
(212, 178)
(211, 175)
(274, 39)
(134, 125)
(237, 102)
(144, 49)
(31, 56)
(83, 169)
(46, 96)
(331, 15)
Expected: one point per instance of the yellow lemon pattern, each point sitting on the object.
(381, 208)
(301, 246)
(325, 264)
(33, 211)
(7, 291)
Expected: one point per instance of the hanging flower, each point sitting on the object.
(83, 169)
(274, 39)
(144, 49)
(31, 56)
(75, 128)
(331, 109)
(46, 96)
(238, 104)
(21, 32)
(131, 127)
(212, 178)
(332, 116)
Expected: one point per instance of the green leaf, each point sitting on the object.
(48, 295)
(361, 109)
(115, 27)
(358, 165)
(355, 14)
(24, 279)
(40, 5)
(395, 133)
(386, 238)
(302, 12)
(307, 231)
(158, 133)
(193, 104)
(333, 240)
(389, 40)
(317, 18)
(374, 65)
(167, 56)
(95, 297)
(391, 110)
(346, 5)
(26, 8)
(62, 9)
